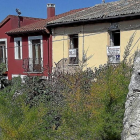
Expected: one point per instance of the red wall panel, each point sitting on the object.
(16, 66)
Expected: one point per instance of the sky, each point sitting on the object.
(37, 8)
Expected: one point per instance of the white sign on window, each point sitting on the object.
(113, 54)
(72, 52)
(115, 50)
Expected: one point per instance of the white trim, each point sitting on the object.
(33, 72)
(5, 39)
(15, 47)
(30, 38)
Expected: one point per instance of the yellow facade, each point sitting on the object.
(93, 39)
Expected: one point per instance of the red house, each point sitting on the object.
(29, 48)
(10, 22)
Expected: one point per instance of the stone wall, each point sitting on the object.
(131, 122)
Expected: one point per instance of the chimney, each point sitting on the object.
(50, 10)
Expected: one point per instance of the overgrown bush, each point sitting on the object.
(84, 105)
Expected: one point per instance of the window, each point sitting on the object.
(113, 51)
(36, 49)
(115, 38)
(35, 53)
(73, 49)
(2, 52)
(18, 48)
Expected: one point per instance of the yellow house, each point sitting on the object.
(96, 34)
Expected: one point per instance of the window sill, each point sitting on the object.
(33, 72)
(73, 64)
(114, 63)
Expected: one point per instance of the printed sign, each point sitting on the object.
(72, 52)
(115, 50)
(113, 54)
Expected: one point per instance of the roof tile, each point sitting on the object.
(102, 11)
(41, 25)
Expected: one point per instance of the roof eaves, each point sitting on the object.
(90, 20)
(28, 31)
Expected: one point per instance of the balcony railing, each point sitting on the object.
(32, 65)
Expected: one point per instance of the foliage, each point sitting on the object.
(3, 81)
(2, 68)
(17, 119)
(84, 105)
(94, 105)
(94, 101)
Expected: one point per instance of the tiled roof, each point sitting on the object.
(40, 26)
(13, 16)
(102, 11)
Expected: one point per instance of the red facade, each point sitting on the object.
(7, 47)
(22, 66)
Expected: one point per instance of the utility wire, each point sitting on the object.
(85, 35)
(99, 31)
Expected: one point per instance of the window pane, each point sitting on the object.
(73, 57)
(18, 48)
(115, 38)
(36, 50)
(2, 52)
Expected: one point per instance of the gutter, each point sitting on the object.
(90, 20)
(25, 32)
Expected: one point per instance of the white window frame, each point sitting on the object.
(5, 40)
(16, 48)
(30, 38)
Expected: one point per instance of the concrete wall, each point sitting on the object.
(95, 41)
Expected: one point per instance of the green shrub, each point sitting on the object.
(84, 105)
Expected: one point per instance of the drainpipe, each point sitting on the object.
(49, 54)
(83, 57)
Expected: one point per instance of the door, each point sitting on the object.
(36, 51)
